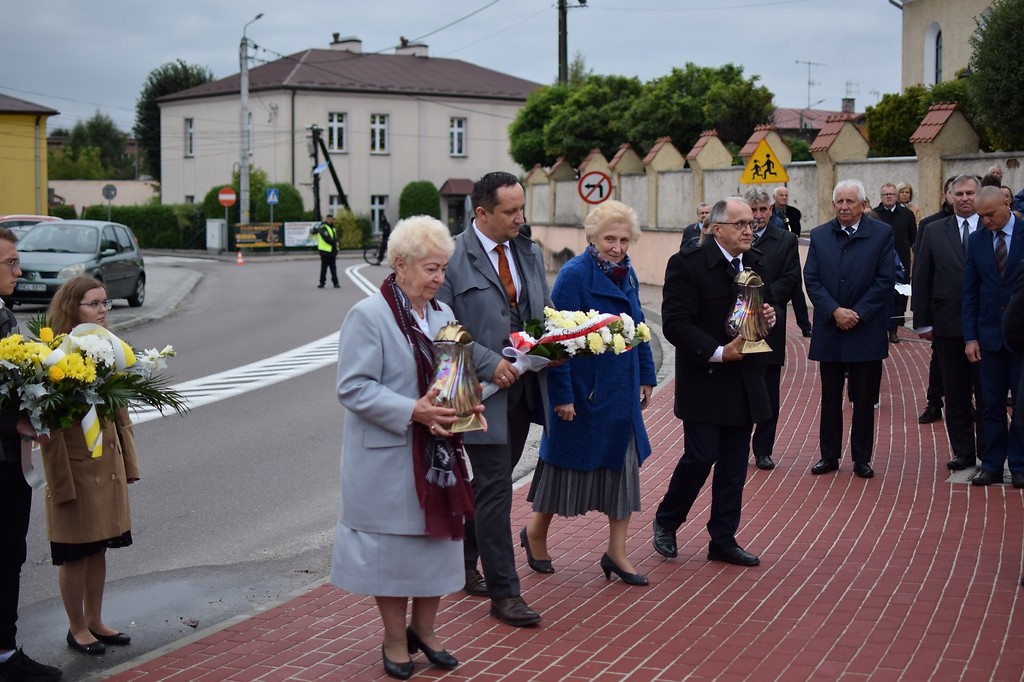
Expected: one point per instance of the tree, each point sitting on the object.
(526, 132)
(992, 86)
(593, 115)
(892, 121)
(86, 166)
(419, 197)
(164, 80)
(102, 134)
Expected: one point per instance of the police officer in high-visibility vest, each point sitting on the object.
(327, 244)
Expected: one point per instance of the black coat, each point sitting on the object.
(781, 251)
(9, 438)
(790, 218)
(939, 279)
(697, 300)
(904, 229)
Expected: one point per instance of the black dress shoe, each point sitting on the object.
(824, 466)
(732, 555)
(764, 462)
(807, 333)
(986, 477)
(119, 639)
(514, 611)
(20, 667)
(475, 584)
(319, 286)
(1017, 480)
(894, 336)
(93, 648)
(665, 542)
(609, 567)
(442, 659)
(930, 415)
(961, 463)
(538, 565)
(399, 671)
(863, 470)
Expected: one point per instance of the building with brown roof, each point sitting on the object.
(387, 119)
(23, 161)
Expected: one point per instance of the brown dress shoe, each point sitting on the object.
(514, 611)
(475, 583)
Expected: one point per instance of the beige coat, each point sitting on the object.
(87, 498)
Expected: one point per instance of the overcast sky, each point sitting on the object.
(79, 56)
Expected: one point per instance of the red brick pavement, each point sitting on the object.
(906, 576)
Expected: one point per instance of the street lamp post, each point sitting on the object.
(243, 166)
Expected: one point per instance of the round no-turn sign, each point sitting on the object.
(595, 187)
(226, 196)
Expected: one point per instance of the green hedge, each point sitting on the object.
(64, 211)
(419, 197)
(155, 226)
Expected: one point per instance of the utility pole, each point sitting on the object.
(563, 39)
(243, 166)
(809, 81)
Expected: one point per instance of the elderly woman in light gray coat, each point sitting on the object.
(404, 487)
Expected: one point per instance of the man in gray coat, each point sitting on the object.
(496, 282)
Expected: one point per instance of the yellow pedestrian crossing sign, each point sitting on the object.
(763, 167)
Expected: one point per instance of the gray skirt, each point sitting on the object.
(567, 492)
(382, 565)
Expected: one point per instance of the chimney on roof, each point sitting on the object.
(349, 43)
(848, 106)
(411, 49)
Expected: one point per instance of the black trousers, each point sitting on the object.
(865, 379)
(489, 536)
(15, 508)
(328, 260)
(899, 311)
(705, 446)
(763, 442)
(962, 382)
(936, 389)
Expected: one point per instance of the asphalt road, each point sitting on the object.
(237, 501)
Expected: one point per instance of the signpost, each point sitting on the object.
(109, 192)
(272, 199)
(227, 197)
(595, 187)
(763, 167)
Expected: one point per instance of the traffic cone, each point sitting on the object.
(238, 260)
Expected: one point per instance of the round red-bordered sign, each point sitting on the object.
(595, 187)
(227, 197)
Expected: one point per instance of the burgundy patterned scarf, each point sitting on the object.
(439, 464)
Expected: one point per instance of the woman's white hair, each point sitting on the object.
(416, 237)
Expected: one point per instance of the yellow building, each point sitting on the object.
(23, 156)
(936, 38)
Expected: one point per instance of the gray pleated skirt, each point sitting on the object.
(384, 565)
(567, 492)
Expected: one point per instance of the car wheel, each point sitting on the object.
(137, 299)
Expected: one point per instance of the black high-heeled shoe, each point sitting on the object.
(399, 671)
(609, 567)
(93, 648)
(538, 565)
(442, 659)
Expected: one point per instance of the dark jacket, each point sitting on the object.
(10, 441)
(698, 298)
(851, 272)
(939, 279)
(1013, 322)
(781, 252)
(604, 389)
(904, 229)
(790, 218)
(986, 293)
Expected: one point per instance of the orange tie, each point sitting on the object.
(505, 275)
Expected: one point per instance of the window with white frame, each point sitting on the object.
(336, 133)
(190, 137)
(378, 133)
(457, 136)
(378, 205)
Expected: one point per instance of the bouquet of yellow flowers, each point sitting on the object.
(563, 334)
(83, 376)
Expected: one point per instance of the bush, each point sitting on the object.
(349, 229)
(64, 211)
(419, 197)
(156, 227)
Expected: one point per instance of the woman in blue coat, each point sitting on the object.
(596, 440)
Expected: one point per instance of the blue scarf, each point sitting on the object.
(616, 271)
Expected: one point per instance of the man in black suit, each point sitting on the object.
(691, 233)
(938, 307)
(780, 249)
(720, 392)
(788, 218)
(904, 228)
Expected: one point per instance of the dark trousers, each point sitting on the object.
(15, 507)
(936, 387)
(865, 379)
(328, 260)
(763, 442)
(1000, 376)
(706, 446)
(962, 381)
(899, 311)
(489, 536)
(800, 309)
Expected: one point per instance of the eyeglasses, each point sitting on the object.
(741, 225)
(96, 305)
(13, 264)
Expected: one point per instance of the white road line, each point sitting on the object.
(262, 373)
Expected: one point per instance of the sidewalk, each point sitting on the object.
(905, 576)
